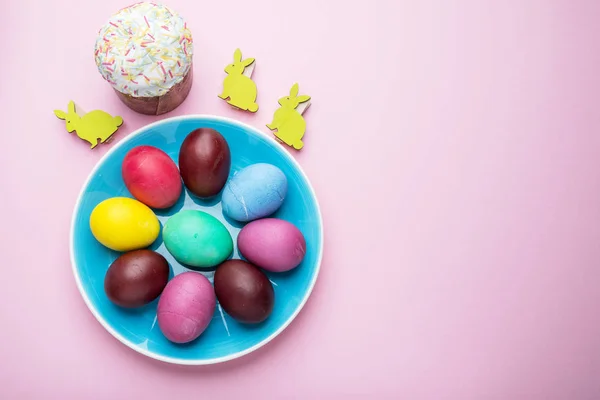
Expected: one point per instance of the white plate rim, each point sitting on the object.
(148, 353)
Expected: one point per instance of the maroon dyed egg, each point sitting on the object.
(151, 176)
(204, 162)
(136, 278)
(244, 291)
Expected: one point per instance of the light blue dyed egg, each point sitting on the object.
(254, 192)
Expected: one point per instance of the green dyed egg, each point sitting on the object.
(197, 239)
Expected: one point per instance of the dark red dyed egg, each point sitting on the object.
(204, 162)
(136, 278)
(244, 291)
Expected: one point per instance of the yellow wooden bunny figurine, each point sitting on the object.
(288, 121)
(92, 126)
(240, 89)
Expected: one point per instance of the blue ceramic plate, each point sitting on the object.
(224, 339)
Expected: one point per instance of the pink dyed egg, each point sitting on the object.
(186, 307)
(273, 244)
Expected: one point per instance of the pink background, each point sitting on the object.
(458, 139)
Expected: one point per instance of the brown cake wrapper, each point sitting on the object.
(160, 104)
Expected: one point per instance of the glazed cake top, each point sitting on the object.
(144, 50)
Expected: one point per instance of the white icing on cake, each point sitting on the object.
(144, 50)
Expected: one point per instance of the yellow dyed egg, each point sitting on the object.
(124, 224)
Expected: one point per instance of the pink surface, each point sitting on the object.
(459, 140)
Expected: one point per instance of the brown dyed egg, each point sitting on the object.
(136, 278)
(204, 162)
(244, 291)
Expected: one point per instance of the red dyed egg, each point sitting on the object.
(151, 176)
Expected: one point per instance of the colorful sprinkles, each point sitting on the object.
(144, 40)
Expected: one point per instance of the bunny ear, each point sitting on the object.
(247, 61)
(60, 114)
(303, 98)
(294, 90)
(237, 55)
(71, 107)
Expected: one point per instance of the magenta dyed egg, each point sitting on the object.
(273, 244)
(186, 307)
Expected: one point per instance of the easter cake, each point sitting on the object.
(145, 52)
